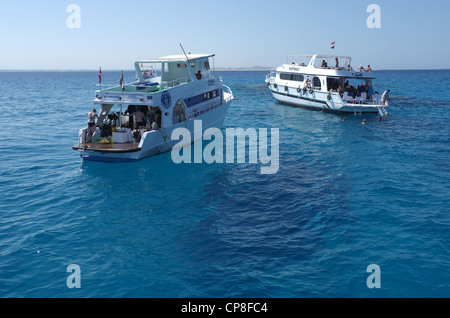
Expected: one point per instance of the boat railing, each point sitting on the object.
(103, 87)
(271, 76)
(127, 88)
(379, 102)
(161, 86)
(363, 102)
(174, 83)
(340, 68)
(227, 90)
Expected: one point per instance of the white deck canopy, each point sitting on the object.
(315, 57)
(177, 58)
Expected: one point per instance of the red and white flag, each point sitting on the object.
(332, 45)
(100, 76)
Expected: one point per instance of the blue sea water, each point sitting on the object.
(346, 196)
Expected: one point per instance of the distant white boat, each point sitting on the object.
(179, 87)
(327, 83)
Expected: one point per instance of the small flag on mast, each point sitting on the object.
(332, 45)
(100, 76)
(121, 81)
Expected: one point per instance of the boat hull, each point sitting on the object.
(315, 101)
(155, 142)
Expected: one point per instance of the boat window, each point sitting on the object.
(206, 65)
(181, 65)
(285, 76)
(150, 70)
(291, 77)
(298, 78)
(316, 82)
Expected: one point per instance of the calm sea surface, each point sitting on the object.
(346, 196)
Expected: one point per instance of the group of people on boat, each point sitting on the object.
(144, 116)
(325, 64)
(362, 69)
(356, 92)
(349, 68)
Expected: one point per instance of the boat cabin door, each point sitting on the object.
(179, 112)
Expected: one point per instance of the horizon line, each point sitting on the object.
(216, 69)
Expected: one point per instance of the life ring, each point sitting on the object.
(298, 89)
(286, 88)
(329, 96)
(311, 90)
(275, 85)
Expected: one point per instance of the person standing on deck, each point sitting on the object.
(91, 124)
(385, 97)
(140, 118)
(130, 111)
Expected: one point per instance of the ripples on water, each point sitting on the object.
(346, 195)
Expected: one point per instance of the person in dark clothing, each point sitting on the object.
(130, 111)
(140, 118)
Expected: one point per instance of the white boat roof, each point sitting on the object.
(315, 57)
(322, 56)
(312, 69)
(177, 58)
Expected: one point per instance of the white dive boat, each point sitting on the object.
(178, 89)
(327, 83)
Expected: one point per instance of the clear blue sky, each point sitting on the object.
(242, 33)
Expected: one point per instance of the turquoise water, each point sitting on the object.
(346, 196)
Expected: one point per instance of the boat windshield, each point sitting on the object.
(150, 72)
(165, 73)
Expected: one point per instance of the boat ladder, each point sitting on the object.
(382, 111)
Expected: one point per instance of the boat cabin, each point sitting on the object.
(318, 73)
(172, 70)
(155, 76)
